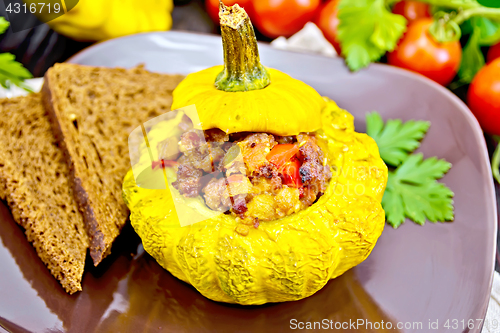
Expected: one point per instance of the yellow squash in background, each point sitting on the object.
(289, 258)
(96, 20)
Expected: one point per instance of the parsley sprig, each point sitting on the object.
(397, 139)
(412, 189)
(367, 30)
(11, 72)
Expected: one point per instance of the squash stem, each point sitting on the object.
(242, 68)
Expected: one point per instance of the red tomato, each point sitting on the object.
(328, 21)
(213, 7)
(291, 173)
(412, 10)
(282, 154)
(276, 18)
(419, 52)
(484, 97)
(493, 53)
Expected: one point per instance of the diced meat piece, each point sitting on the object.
(191, 140)
(216, 196)
(263, 185)
(315, 176)
(215, 155)
(188, 181)
(258, 138)
(222, 194)
(186, 124)
(313, 173)
(239, 204)
(205, 157)
(270, 173)
(216, 135)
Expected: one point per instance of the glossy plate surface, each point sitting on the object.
(414, 275)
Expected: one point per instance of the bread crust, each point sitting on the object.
(97, 244)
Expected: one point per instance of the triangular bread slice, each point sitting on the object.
(34, 180)
(93, 110)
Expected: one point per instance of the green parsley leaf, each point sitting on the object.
(12, 72)
(397, 139)
(4, 25)
(413, 191)
(367, 30)
(472, 57)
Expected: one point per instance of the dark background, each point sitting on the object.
(40, 47)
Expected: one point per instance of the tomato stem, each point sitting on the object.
(465, 9)
(445, 29)
(453, 4)
(492, 13)
(495, 163)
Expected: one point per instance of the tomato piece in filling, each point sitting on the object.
(291, 174)
(281, 154)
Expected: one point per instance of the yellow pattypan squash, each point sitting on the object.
(289, 258)
(96, 20)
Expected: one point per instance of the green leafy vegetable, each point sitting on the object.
(4, 25)
(490, 30)
(12, 72)
(367, 30)
(472, 58)
(483, 32)
(412, 188)
(397, 139)
(412, 191)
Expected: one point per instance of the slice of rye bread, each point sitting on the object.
(34, 180)
(93, 111)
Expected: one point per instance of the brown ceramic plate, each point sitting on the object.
(415, 274)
